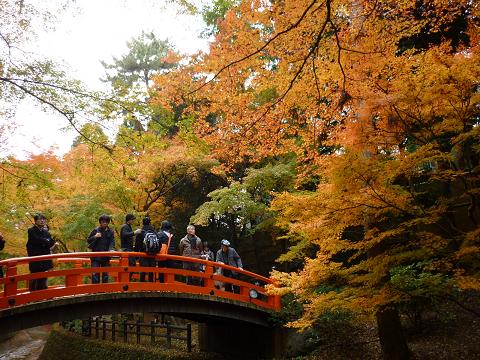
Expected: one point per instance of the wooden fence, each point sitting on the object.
(99, 327)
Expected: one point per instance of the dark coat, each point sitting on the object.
(39, 243)
(139, 245)
(2, 245)
(210, 254)
(126, 237)
(106, 242)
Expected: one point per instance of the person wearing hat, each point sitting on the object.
(101, 239)
(228, 256)
(126, 238)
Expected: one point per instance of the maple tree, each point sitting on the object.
(163, 177)
(375, 102)
(378, 100)
(27, 187)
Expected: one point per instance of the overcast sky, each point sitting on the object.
(90, 31)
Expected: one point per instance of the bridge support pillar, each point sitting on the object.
(242, 341)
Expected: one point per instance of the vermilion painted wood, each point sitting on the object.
(75, 280)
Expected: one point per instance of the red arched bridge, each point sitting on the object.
(71, 295)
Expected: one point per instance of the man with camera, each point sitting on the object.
(101, 239)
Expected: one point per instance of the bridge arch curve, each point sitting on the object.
(196, 307)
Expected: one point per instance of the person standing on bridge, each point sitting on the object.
(228, 256)
(126, 238)
(2, 245)
(101, 239)
(207, 253)
(191, 246)
(39, 242)
(165, 236)
(140, 247)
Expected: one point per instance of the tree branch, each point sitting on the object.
(294, 25)
(67, 115)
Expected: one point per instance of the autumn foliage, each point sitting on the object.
(347, 129)
(377, 100)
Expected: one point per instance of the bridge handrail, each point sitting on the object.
(122, 274)
(119, 254)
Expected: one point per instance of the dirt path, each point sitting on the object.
(25, 344)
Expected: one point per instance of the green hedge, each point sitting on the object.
(64, 345)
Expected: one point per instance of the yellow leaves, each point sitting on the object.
(472, 238)
(286, 280)
(468, 282)
(468, 257)
(373, 113)
(468, 252)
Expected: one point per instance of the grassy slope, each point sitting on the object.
(66, 346)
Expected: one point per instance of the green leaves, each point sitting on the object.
(214, 13)
(130, 77)
(233, 200)
(80, 218)
(146, 56)
(243, 206)
(416, 280)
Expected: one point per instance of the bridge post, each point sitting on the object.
(244, 291)
(96, 327)
(123, 276)
(189, 337)
(125, 331)
(11, 286)
(169, 336)
(104, 329)
(89, 326)
(169, 277)
(113, 329)
(275, 301)
(208, 283)
(138, 331)
(73, 280)
(152, 332)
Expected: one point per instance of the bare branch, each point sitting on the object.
(68, 116)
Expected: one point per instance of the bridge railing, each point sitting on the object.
(72, 274)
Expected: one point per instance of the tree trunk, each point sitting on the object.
(393, 343)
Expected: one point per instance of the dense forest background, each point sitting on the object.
(336, 143)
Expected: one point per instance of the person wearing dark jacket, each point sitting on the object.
(165, 235)
(100, 239)
(2, 245)
(140, 247)
(39, 243)
(126, 238)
